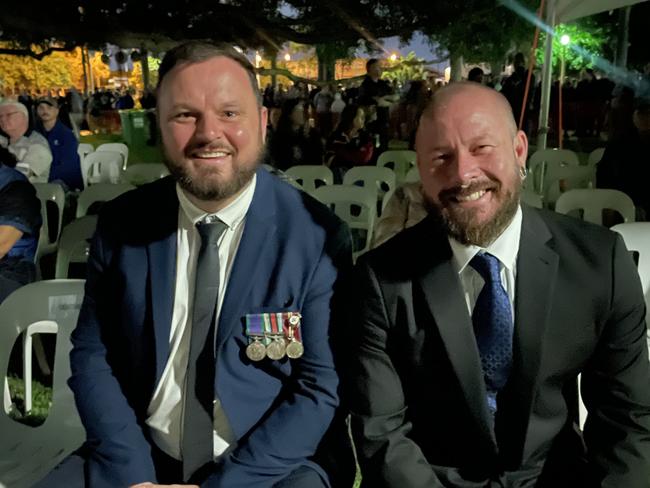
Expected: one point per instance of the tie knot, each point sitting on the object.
(487, 266)
(210, 229)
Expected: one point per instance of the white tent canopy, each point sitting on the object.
(561, 11)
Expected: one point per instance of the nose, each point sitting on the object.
(464, 168)
(208, 128)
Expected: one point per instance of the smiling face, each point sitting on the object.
(470, 156)
(212, 129)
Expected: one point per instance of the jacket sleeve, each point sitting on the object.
(120, 453)
(293, 430)
(380, 427)
(616, 386)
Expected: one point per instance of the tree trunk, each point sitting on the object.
(623, 36)
(326, 69)
(274, 65)
(456, 63)
(144, 61)
(85, 69)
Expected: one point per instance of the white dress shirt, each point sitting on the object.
(505, 248)
(166, 407)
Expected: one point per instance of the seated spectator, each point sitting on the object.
(30, 148)
(349, 145)
(294, 142)
(404, 209)
(20, 220)
(323, 101)
(625, 166)
(66, 166)
(405, 116)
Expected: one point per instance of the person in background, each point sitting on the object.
(349, 145)
(20, 221)
(475, 75)
(66, 164)
(294, 142)
(30, 148)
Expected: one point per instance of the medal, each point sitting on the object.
(275, 350)
(255, 351)
(294, 348)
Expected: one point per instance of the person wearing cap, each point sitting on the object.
(66, 165)
(30, 148)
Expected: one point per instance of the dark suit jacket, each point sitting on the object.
(417, 393)
(287, 260)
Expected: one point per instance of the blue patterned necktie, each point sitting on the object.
(493, 326)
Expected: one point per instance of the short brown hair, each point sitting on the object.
(199, 51)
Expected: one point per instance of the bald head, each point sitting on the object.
(473, 94)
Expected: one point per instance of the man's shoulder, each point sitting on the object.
(36, 138)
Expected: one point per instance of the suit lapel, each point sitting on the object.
(445, 298)
(161, 253)
(257, 243)
(537, 267)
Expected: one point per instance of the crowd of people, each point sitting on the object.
(225, 337)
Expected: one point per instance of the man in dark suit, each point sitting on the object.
(152, 361)
(474, 325)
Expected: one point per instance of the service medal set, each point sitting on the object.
(273, 335)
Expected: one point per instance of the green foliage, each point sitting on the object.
(41, 402)
(587, 42)
(405, 68)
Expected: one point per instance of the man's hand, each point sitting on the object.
(149, 484)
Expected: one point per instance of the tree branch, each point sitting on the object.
(36, 55)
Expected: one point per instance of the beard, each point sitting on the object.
(464, 225)
(204, 183)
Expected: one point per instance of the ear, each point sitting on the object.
(520, 145)
(264, 117)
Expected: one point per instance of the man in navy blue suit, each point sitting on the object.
(140, 375)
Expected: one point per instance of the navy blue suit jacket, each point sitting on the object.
(288, 259)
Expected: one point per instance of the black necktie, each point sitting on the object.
(493, 326)
(197, 435)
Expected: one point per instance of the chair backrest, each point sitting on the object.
(101, 192)
(117, 147)
(102, 167)
(413, 175)
(594, 201)
(84, 149)
(355, 205)
(400, 162)
(50, 230)
(531, 198)
(311, 176)
(559, 178)
(595, 156)
(637, 238)
(74, 244)
(539, 160)
(28, 453)
(382, 179)
(142, 173)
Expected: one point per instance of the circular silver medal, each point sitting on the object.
(275, 350)
(295, 349)
(255, 351)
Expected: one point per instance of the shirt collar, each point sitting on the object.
(231, 215)
(505, 248)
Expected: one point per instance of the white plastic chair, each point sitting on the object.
(383, 180)
(344, 200)
(413, 175)
(595, 156)
(29, 453)
(307, 176)
(140, 174)
(101, 167)
(531, 198)
(637, 238)
(101, 192)
(84, 149)
(594, 201)
(117, 147)
(539, 160)
(400, 162)
(53, 193)
(74, 244)
(559, 178)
